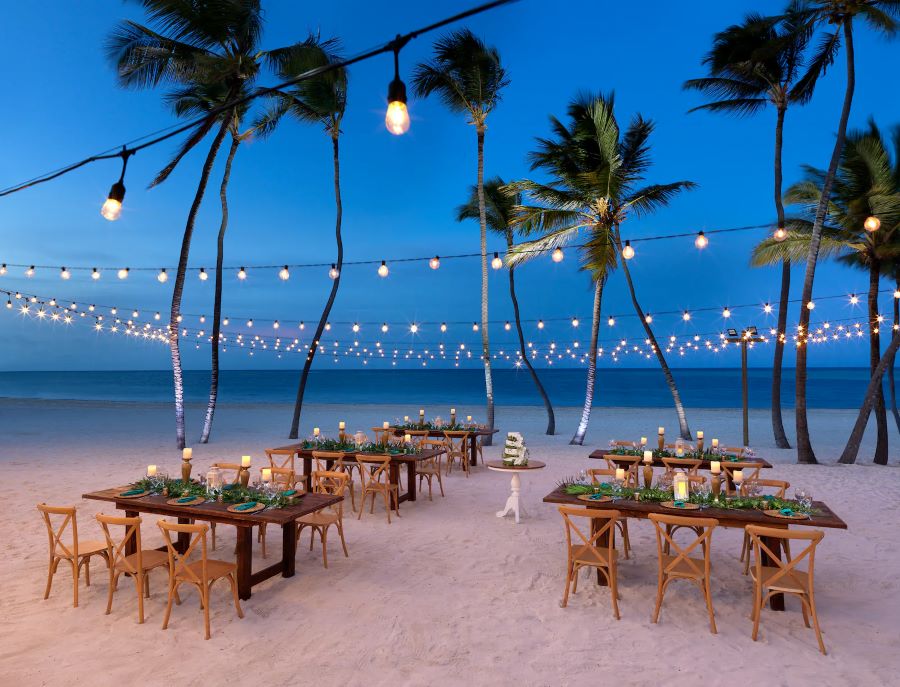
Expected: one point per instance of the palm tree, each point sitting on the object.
(467, 76)
(189, 45)
(594, 175)
(322, 100)
(840, 14)
(865, 184)
(752, 65)
(499, 211)
(893, 269)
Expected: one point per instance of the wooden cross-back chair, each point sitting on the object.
(430, 468)
(375, 479)
(621, 524)
(688, 448)
(778, 490)
(285, 480)
(201, 574)
(231, 474)
(732, 450)
(624, 443)
(456, 442)
(750, 473)
(784, 577)
(326, 482)
(382, 435)
(135, 565)
(631, 463)
(338, 464)
(417, 435)
(77, 554)
(589, 551)
(688, 465)
(681, 565)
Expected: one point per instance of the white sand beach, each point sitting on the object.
(448, 593)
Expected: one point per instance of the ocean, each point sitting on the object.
(700, 388)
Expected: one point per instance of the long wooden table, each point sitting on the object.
(604, 454)
(218, 513)
(411, 462)
(732, 517)
(471, 440)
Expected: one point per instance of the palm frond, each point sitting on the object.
(822, 59)
(650, 198)
(795, 247)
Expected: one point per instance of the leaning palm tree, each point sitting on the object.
(892, 269)
(594, 186)
(321, 99)
(840, 14)
(752, 65)
(499, 210)
(467, 76)
(186, 44)
(865, 185)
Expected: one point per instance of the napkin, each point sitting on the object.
(787, 511)
(679, 504)
(185, 499)
(289, 492)
(246, 506)
(132, 492)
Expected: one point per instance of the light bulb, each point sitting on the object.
(780, 234)
(384, 327)
(8, 304)
(496, 263)
(854, 299)
(767, 308)
(383, 269)
(328, 326)
(29, 272)
(275, 325)
(726, 312)
(506, 326)
(113, 311)
(95, 274)
(397, 118)
(897, 293)
(249, 323)
(575, 322)
(648, 318)
(162, 277)
(872, 223)
(91, 307)
(202, 319)
(2, 269)
(156, 316)
(225, 322)
(414, 328)
(355, 327)
(474, 326)
(810, 305)
(701, 241)
(611, 321)
(134, 314)
(64, 273)
(334, 273)
(242, 274)
(112, 208)
(203, 275)
(435, 262)
(686, 316)
(557, 254)
(443, 327)
(540, 324)
(123, 273)
(628, 251)
(284, 273)
(73, 306)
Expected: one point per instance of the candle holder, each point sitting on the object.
(700, 446)
(244, 476)
(662, 442)
(648, 476)
(716, 487)
(186, 469)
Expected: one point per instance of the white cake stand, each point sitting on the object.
(513, 504)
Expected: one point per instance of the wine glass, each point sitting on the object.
(702, 490)
(803, 497)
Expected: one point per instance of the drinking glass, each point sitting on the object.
(702, 489)
(803, 497)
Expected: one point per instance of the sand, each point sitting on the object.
(449, 593)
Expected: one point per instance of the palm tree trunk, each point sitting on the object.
(894, 358)
(578, 439)
(683, 427)
(851, 450)
(178, 289)
(781, 440)
(217, 305)
(314, 344)
(551, 419)
(881, 443)
(805, 452)
(485, 345)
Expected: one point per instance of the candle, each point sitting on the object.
(737, 476)
(715, 467)
(245, 461)
(187, 453)
(680, 487)
(407, 438)
(661, 431)
(620, 474)
(453, 411)
(315, 431)
(342, 425)
(151, 471)
(406, 418)
(648, 457)
(715, 443)
(468, 418)
(679, 451)
(267, 474)
(643, 441)
(385, 425)
(700, 434)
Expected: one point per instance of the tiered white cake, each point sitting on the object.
(514, 451)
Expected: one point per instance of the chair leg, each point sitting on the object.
(387, 505)
(758, 603)
(440, 482)
(340, 528)
(709, 607)
(262, 538)
(324, 535)
(147, 585)
(204, 594)
(815, 619)
(173, 591)
(745, 553)
(212, 526)
(569, 571)
(614, 588)
(75, 575)
(234, 593)
(626, 542)
(139, 582)
(112, 586)
(51, 569)
(86, 562)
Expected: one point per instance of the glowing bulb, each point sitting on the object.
(225, 322)
(8, 304)
(872, 223)
(497, 262)
(203, 275)
(701, 241)
(810, 305)
(726, 312)
(628, 251)
(443, 327)
(242, 274)
(284, 273)
(383, 268)
(648, 318)
(435, 262)
(780, 234)
(113, 311)
(767, 308)
(64, 273)
(275, 325)
(557, 255)
(384, 327)
(355, 327)
(333, 273)
(506, 326)
(397, 117)
(250, 323)
(156, 316)
(897, 293)
(29, 272)
(2, 269)
(540, 324)
(328, 326)
(611, 321)
(95, 274)
(575, 322)
(134, 314)
(123, 273)
(73, 306)
(414, 328)
(162, 277)
(854, 299)
(91, 307)
(474, 326)
(112, 208)
(686, 316)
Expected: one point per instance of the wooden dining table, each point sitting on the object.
(604, 454)
(244, 523)
(471, 440)
(727, 517)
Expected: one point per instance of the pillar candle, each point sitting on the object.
(468, 418)
(315, 431)
(700, 434)
(738, 476)
(620, 474)
(406, 418)
(643, 441)
(245, 461)
(648, 457)
(715, 443)
(151, 471)
(661, 431)
(342, 425)
(715, 467)
(385, 425)
(407, 438)
(187, 453)
(266, 474)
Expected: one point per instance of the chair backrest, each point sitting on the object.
(117, 555)
(284, 477)
(758, 532)
(456, 442)
(588, 542)
(696, 479)
(702, 527)
(56, 531)
(332, 483)
(779, 487)
(179, 562)
(629, 463)
(594, 473)
(626, 444)
(372, 469)
(750, 472)
(382, 435)
(688, 448)
(322, 458)
(732, 450)
(689, 465)
(418, 435)
(226, 468)
(285, 457)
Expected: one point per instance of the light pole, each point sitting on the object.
(746, 337)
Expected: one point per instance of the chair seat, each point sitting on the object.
(151, 558)
(214, 570)
(319, 519)
(683, 568)
(596, 558)
(85, 548)
(428, 471)
(791, 582)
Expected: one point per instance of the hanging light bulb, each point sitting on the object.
(767, 308)
(2, 269)
(250, 323)
(284, 273)
(701, 241)
(780, 234)
(383, 269)
(333, 273)
(497, 262)
(384, 327)
(474, 326)
(113, 311)
(275, 325)
(203, 275)
(328, 326)
(156, 316)
(648, 318)
(225, 322)
(872, 223)
(112, 208)
(686, 316)
(29, 272)
(64, 273)
(123, 273)
(854, 299)
(540, 324)
(73, 306)
(397, 117)
(443, 326)
(8, 304)
(611, 321)
(628, 251)
(414, 328)
(134, 314)
(355, 327)
(557, 254)
(575, 322)
(242, 274)
(95, 274)
(162, 277)
(91, 307)
(435, 262)
(897, 293)
(506, 326)
(726, 312)
(202, 319)
(810, 305)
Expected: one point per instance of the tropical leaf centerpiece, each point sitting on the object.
(326, 444)
(230, 493)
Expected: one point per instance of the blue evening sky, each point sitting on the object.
(399, 193)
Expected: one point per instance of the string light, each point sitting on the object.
(497, 262)
(2, 269)
(396, 119)
(29, 272)
(123, 273)
(648, 318)
(897, 293)
(435, 262)
(383, 269)
(767, 308)
(355, 327)
(64, 273)
(414, 328)
(506, 326)
(575, 322)
(284, 273)
(112, 207)
(780, 234)
(162, 277)
(275, 325)
(242, 274)
(701, 241)
(474, 326)
(95, 274)
(628, 251)
(557, 254)
(611, 321)
(384, 327)
(203, 275)
(443, 326)
(810, 305)
(872, 224)
(854, 299)
(686, 316)
(333, 273)
(726, 312)
(540, 324)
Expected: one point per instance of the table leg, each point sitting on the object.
(131, 546)
(244, 553)
(307, 472)
(512, 501)
(601, 543)
(473, 454)
(288, 548)
(184, 538)
(411, 479)
(776, 601)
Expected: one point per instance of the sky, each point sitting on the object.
(400, 193)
